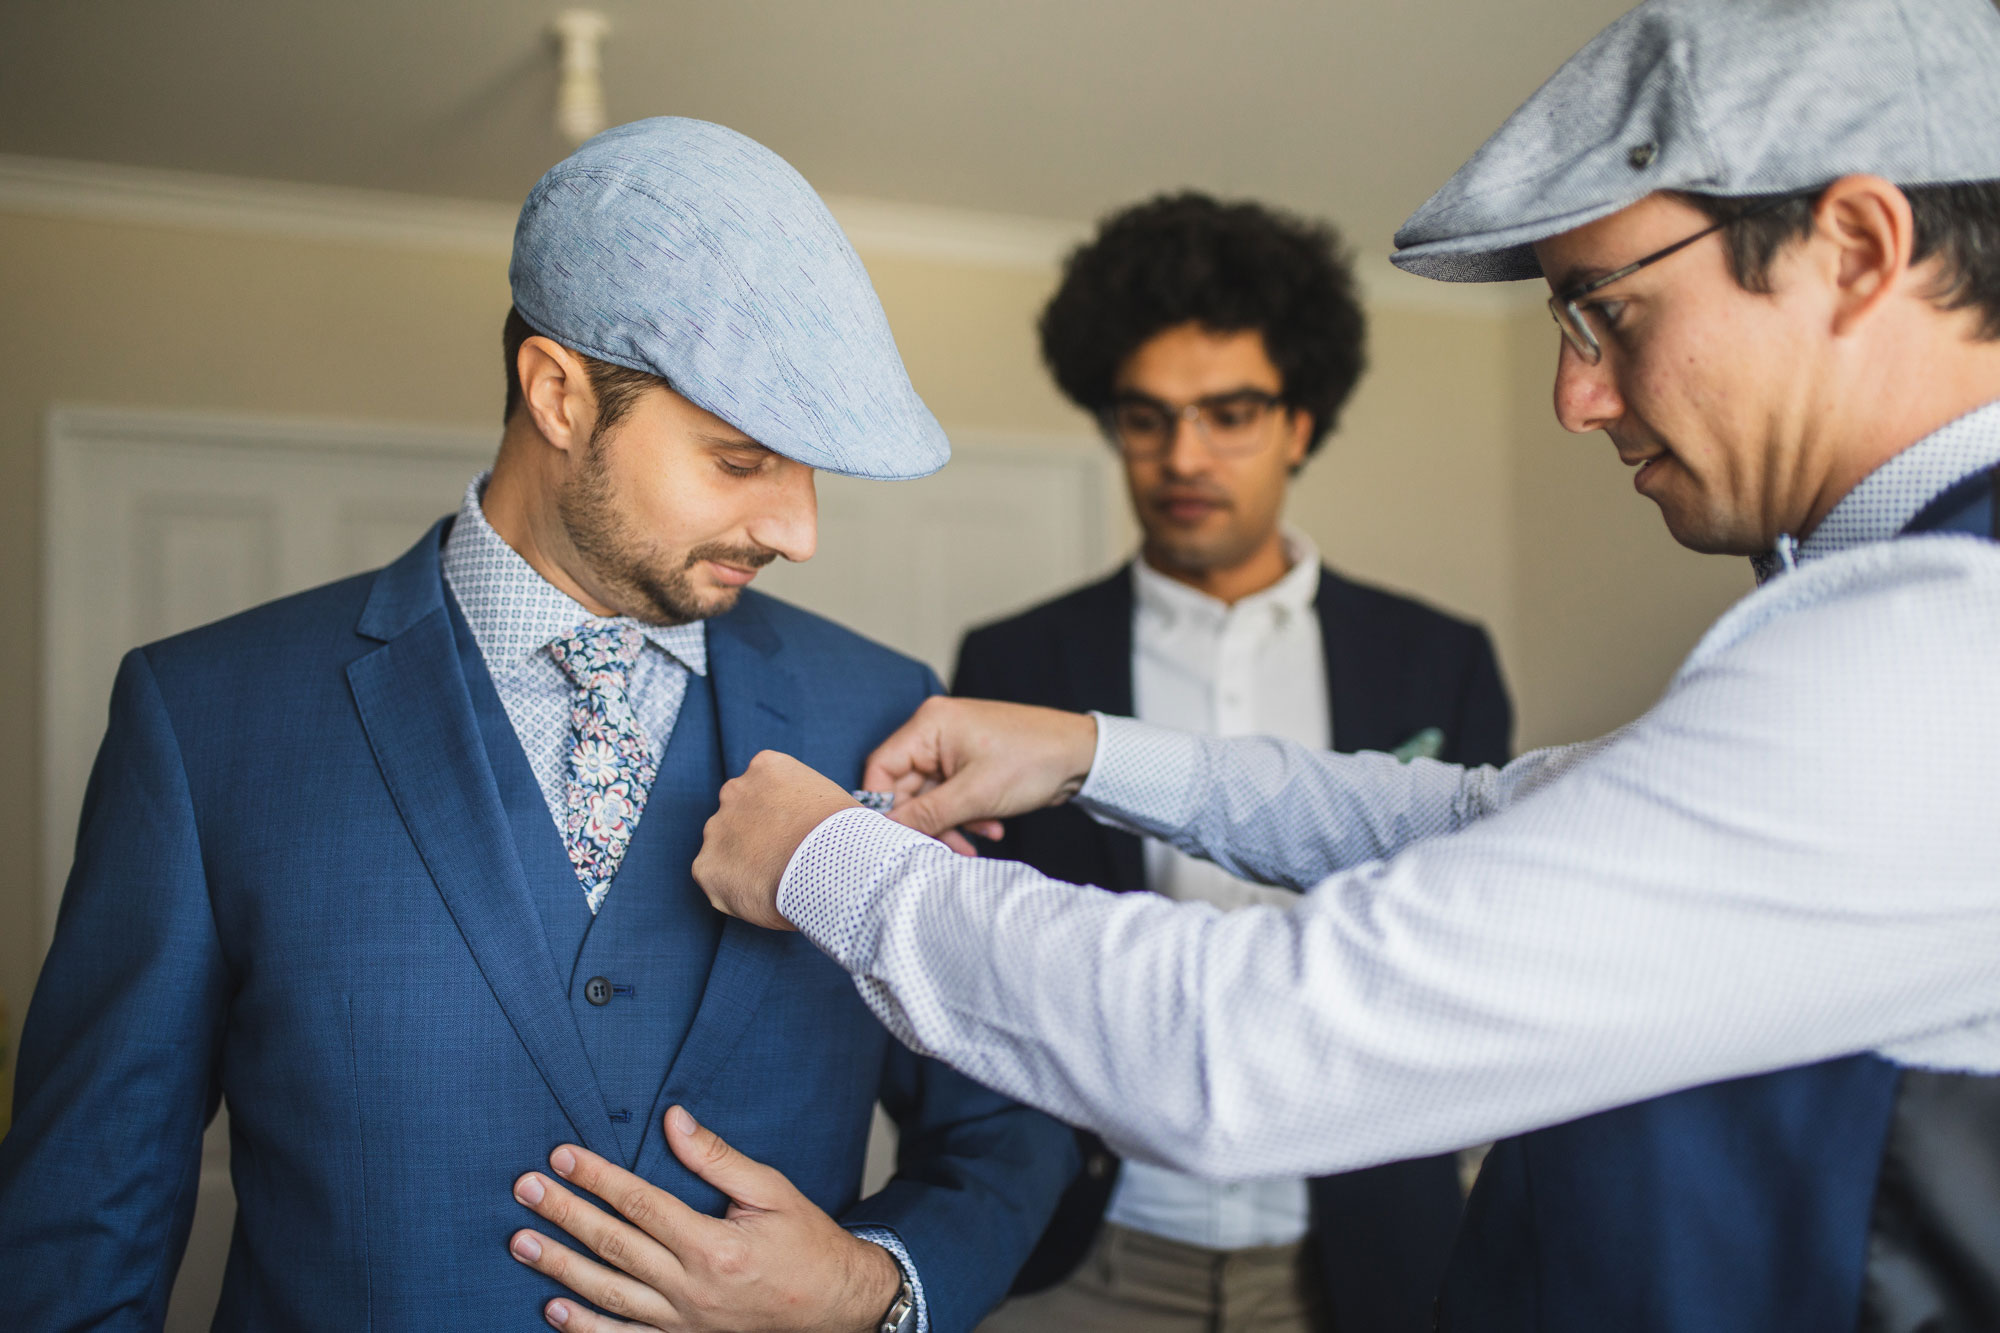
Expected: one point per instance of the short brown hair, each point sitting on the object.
(617, 387)
(1958, 223)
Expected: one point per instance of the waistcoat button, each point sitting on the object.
(597, 990)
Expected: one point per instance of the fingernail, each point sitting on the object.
(683, 1123)
(528, 1189)
(526, 1249)
(564, 1161)
(558, 1313)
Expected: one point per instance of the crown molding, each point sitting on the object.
(955, 235)
(146, 196)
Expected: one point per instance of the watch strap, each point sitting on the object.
(902, 1313)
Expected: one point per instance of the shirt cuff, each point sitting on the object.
(1142, 777)
(891, 1242)
(830, 886)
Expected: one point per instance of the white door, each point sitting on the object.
(157, 522)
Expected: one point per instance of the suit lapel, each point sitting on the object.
(418, 717)
(756, 708)
(1346, 668)
(1097, 659)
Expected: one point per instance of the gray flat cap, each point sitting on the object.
(685, 249)
(1723, 97)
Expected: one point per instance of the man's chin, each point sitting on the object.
(715, 602)
(689, 606)
(722, 601)
(1182, 554)
(1705, 533)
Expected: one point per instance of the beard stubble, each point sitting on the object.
(645, 581)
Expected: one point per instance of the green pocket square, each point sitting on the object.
(1426, 744)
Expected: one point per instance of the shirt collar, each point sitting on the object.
(1896, 492)
(514, 612)
(1291, 595)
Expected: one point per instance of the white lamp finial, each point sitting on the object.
(580, 95)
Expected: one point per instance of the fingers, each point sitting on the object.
(573, 1317)
(762, 817)
(647, 1242)
(746, 1182)
(910, 757)
(980, 761)
(642, 1203)
(605, 1287)
(960, 840)
(937, 811)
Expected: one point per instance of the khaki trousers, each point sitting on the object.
(1135, 1283)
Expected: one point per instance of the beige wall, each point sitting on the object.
(1447, 478)
(1410, 492)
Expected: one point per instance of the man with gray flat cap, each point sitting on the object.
(399, 868)
(1727, 981)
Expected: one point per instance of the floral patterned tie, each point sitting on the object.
(610, 765)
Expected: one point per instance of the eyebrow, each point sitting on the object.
(1140, 395)
(733, 442)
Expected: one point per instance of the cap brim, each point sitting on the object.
(1506, 255)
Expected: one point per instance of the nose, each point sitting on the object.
(789, 523)
(1187, 453)
(1586, 398)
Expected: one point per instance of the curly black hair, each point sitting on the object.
(1229, 267)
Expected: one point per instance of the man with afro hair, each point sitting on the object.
(1215, 344)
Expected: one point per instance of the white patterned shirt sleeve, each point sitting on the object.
(1212, 797)
(1791, 857)
(893, 1243)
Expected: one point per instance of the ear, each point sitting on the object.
(1869, 231)
(1299, 429)
(555, 390)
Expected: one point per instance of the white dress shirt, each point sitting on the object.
(1255, 668)
(1793, 856)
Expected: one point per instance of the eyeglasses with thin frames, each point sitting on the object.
(1230, 424)
(1576, 330)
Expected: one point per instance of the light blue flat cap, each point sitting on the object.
(686, 250)
(1723, 97)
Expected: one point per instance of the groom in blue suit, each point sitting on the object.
(399, 868)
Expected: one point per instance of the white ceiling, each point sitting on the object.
(1056, 108)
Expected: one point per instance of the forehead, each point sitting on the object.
(1613, 241)
(1189, 361)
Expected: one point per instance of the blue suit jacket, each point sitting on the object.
(295, 889)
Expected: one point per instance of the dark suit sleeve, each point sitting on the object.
(1485, 715)
(977, 1177)
(974, 676)
(117, 1067)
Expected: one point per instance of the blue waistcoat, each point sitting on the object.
(1848, 1195)
(635, 973)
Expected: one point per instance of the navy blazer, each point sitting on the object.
(1394, 668)
(296, 889)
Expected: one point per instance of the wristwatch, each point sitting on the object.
(902, 1315)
